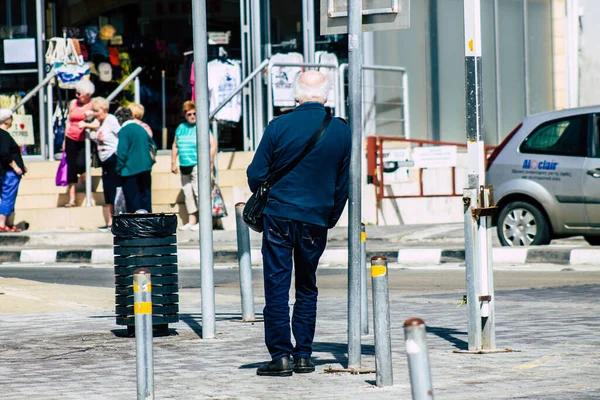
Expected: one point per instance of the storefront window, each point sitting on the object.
(18, 69)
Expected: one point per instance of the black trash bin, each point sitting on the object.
(146, 241)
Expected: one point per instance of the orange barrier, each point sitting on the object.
(376, 168)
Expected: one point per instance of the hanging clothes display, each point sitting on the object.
(323, 57)
(223, 78)
(183, 76)
(283, 78)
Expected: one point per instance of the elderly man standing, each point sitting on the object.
(302, 206)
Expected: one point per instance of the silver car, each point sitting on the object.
(546, 178)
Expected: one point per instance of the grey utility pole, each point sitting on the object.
(355, 58)
(204, 173)
(308, 30)
(477, 198)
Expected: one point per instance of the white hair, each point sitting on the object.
(101, 102)
(5, 114)
(85, 86)
(303, 92)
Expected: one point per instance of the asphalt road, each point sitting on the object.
(425, 280)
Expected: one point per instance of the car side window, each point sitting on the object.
(565, 137)
(595, 140)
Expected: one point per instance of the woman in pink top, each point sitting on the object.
(79, 110)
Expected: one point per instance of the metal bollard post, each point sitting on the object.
(381, 317)
(245, 265)
(142, 297)
(364, 293)
(418, 359)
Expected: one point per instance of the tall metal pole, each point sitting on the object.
(40, 39)
(163, 85)
(204, 173)
(354, 200)
(247, 95)
(479, 271)
(257, 59)
(308, 30)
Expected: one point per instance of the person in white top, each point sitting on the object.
(104, 131)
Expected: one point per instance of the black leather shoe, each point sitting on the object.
(279, 367)
(303, 366)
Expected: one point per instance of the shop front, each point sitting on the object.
(117, 36)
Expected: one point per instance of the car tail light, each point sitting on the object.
(498, 149)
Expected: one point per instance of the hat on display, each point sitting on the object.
(107, 32)
(105, 72)
(5, 113)
(91, 33)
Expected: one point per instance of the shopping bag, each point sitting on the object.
(61, 174)
(70, 74)
(218, 205)
(120, 207)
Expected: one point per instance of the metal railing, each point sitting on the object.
(404, 103)
(127, 81)
(270, 105)
(34, 91)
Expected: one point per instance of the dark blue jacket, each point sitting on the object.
(316, 190)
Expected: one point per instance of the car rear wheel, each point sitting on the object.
(522, 224)
(592, 240)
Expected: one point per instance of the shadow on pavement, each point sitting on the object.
(448, 335)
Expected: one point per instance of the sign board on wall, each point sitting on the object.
(378, 15)
(435, 156)
(19, 51)
(22, 130)
(396, 164)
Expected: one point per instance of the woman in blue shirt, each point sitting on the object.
(185, 150)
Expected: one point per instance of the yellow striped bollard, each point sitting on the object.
(381, 321)
(142, 305)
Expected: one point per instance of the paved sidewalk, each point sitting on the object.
(76, 355)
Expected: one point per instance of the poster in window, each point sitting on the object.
(22, 129)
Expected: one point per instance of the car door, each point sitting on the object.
(553, 156)
(591, 177)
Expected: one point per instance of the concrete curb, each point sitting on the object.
(333, 257)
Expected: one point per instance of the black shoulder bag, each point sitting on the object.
(253, 211)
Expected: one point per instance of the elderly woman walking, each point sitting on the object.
(106, 136)
(134, 162)
(79, 110)
(186, 151)
(12, 169)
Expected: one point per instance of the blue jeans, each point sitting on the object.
(283, 239)
(9, 188)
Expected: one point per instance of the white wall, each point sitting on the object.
(589, 53)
